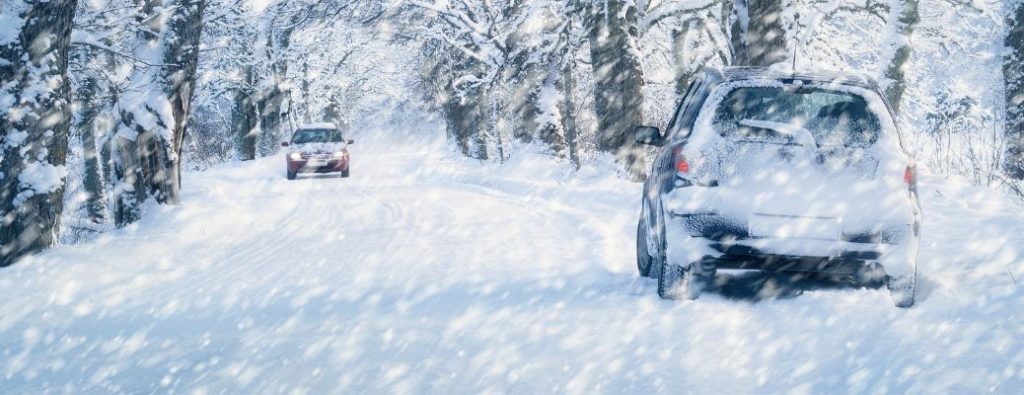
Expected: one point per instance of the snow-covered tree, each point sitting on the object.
(763, 33)
(473, 45)
(618, 80)
(1013, 74)
(154, 111)
(230, 79)
(35, 39)
(572, 76)
(895, 73)
(98, 64)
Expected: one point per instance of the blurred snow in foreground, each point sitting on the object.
(428, 273)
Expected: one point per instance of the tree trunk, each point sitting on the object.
(525, 84)
(479, 139)
(548, 110)
(1013, 73)
(275, 102)
(183, 56)
(93, 178)
(34, 127)
(569, 112)
(618, 81)
(453, 124)
(244, 118)
(306, 94)
(273, 112)
(333, 111)
(894, 74)
(475, 113)
(148, 145)
(466, 108)
(459, 115)
(132, 189)
(683, 73)
(764, 42)
(499, 141)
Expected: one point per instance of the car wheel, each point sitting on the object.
(675, 283)
(644, 261)
(671, 278)
(902, 290)
(344, 173)
(291, 175)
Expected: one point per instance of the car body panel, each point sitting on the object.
(789, 206)
(317, 157)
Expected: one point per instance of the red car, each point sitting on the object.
(317, 149)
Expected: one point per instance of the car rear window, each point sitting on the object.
(303, 136)
(792, 114)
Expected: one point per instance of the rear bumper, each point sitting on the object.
(729, 244)
(843, 258)
(303, 166)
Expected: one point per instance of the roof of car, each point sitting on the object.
(746, 73)
(321, 125)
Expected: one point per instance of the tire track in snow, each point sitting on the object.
(540, 213)
(229, 265)
(255, 263)
(328, 218)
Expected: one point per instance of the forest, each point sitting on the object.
(105, 103)
(513, 221)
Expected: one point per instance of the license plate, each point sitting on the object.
(794, 227)
(316, 162)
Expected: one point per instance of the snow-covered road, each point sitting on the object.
(426, 273)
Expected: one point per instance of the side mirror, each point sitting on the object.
(648, 135)
(284, 143)
(350, 141)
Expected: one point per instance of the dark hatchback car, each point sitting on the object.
(317, 149)
(780, 172)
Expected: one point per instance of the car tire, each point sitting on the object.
(291, 175)
(644, 261)
(344, 173)
(671, 281)
(675, 282)
(902, 290)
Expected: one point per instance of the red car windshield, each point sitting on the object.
(303, 136)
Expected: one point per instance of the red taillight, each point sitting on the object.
(908, 175)
(682, 166)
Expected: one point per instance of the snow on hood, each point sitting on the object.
(317, 147)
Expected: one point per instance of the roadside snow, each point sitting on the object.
(428, 273)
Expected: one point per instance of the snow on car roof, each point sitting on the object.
(321, 125)
(743, 73)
